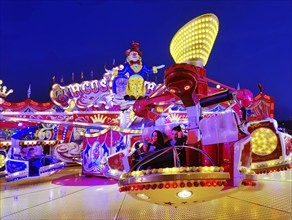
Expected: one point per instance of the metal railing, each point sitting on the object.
(176, 160)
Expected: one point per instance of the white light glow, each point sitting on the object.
(142, 196)
(184, 194)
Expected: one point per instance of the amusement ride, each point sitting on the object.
(228, 136)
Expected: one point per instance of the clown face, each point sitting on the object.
(133, 56)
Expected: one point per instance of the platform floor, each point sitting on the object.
(68, 195)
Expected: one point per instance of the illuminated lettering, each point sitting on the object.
(85, 87)
(86, 93)
(103, 85)
(58, 96)
(150, 86)
(75, 89)
(94, 86)
(68, 93)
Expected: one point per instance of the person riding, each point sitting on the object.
(177, 139)
(23, 153)
(155, 143)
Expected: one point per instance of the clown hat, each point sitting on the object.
(135, 47)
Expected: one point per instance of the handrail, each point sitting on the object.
(164, 150)
(150, 157)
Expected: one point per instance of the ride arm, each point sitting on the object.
(143, 107)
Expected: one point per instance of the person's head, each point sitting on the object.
(31, 151)
(24, 149)
(174, 132)
(157, 136)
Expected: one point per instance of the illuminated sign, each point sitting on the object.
(87, 94)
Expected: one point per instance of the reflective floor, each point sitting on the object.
(68, 195)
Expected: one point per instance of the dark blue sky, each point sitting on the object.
(40, 39)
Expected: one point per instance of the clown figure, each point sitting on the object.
(134, 68)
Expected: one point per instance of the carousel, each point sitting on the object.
(186, 140)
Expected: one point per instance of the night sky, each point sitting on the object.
(40, 39)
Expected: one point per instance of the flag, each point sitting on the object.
(238, 86)
(62, 80)
(29, 92)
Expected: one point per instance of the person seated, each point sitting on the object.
(154, 152)
(155, 143)
(20, 153)
(34, 162)
(23, 153)
(31, 154)
(166, 159)
(177, 139)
